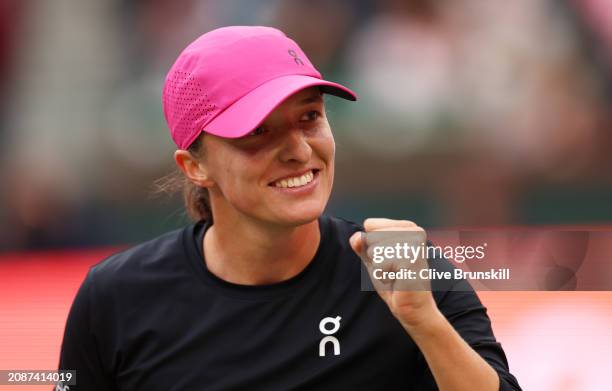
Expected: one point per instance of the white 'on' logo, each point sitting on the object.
(335, 322)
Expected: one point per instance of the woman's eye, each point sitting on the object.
(311, 116)
(258, 131)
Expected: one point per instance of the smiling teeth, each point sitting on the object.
(295, 181)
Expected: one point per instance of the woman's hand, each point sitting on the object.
(453, 363)
(410, 300)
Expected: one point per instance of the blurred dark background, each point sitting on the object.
(472, 113)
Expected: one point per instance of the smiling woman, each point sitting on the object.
(295, 140)
(242, 298)
(197, 198)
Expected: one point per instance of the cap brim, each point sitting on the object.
(248, 112)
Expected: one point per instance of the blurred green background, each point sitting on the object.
(472, 112)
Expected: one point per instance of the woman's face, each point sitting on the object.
(281, 173)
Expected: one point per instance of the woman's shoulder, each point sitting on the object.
(336, 232)
(143, 260)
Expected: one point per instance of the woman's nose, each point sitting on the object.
(295, 147)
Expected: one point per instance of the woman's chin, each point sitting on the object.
(299, 215)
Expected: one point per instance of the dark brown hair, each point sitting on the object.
(196, 198)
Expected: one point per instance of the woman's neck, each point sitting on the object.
(252, 253)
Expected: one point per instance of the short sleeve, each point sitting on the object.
(80, 349)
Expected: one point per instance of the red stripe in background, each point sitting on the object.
(36, 290)
(554, 340)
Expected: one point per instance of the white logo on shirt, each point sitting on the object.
(328, 335)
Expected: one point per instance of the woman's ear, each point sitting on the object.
(193, 168)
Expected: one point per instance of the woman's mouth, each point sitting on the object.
(296, 181)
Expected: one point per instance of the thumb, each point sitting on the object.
(356, 242)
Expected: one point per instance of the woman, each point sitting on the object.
(263, 292)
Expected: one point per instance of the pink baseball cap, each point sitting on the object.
(228, 80)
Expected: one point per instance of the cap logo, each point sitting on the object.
(293, 54)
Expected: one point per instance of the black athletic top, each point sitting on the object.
(154, 318)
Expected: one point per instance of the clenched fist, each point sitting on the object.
(410, 300)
